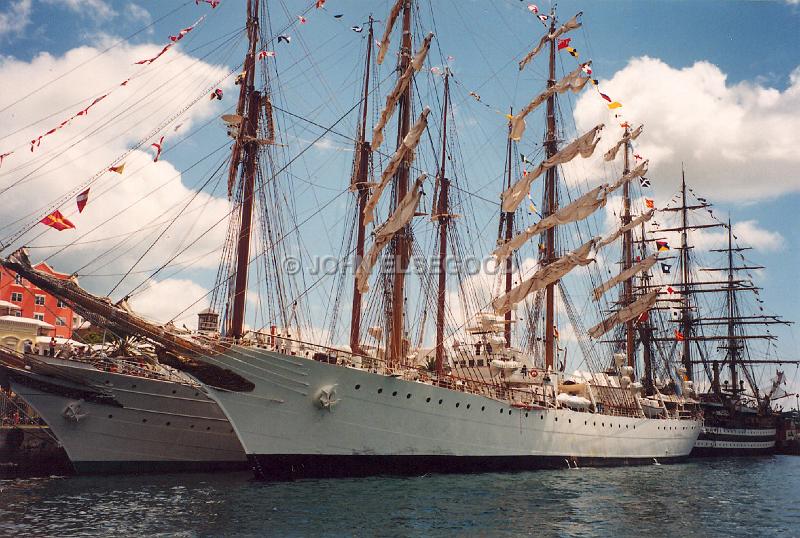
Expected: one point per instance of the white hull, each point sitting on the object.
(143, 425)
(380, 420)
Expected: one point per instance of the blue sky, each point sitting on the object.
(751, 47)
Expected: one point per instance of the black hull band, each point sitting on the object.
(144, 467)
(719, 452)
(293, 466)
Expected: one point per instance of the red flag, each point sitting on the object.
(670, 290)
(564, 43)
(82, 199)
(154, 58)
(266, 54)
(157, 145)
(679, 335)
(3, 156)
(212, 3)
(650, 204)
(302, 19)
(57, 220)
(604, 96)
(320, 3)
(643, 317)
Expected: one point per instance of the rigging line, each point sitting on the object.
(166, 228)
(78, 138)
(264, 252)
(114, 45)
(132, 78)
(262, 185)
(10, 239)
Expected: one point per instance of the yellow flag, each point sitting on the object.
(615, 104)
(118, 169)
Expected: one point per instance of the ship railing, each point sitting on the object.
(131, 367)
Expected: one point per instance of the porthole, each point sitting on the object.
(358, 387)
(469, 405)
(380, 390)
(408, 396)
(133, 386)
(197, 394)
(174, 392)
(169, 423)
(509, 411)
(541, 417)
(428, 399)
(483, 408)
(458, 404)
(626, 426)
(394, 393)
(208, 428)
(440, 402)
(585, 422)
(144, 420)
(556, 419)
(501, 411)
(602, 424)
(526, 414)
(107, 382)
(569, 420)
(110, 416)
(191, 426)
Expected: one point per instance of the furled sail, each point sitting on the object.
(643, 265)
(574, 81)
(545, 276)
(406, 150)
(630, 226)
(626, 314)
(577, 210)
(571, 24)
(402, 215)
(584, 145)
(393, 14)
(394, 96)
(611, 154)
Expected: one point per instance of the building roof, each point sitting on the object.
(7, 304)
(27, 321)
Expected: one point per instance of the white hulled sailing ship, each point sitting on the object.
(304, 409)
(324, 412)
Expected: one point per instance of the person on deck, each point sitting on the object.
(53, 346)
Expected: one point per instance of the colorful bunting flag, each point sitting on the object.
(117, 169)
(665, 268)
(216, 94)
(573, 52)
(543, 18)
(357, 29)
(266, 54)
(158, 145)
(57, 220)
(662, 246)
(645, 182)
(320, 4)
(649, 203)
(679, 335)
(643, 317)
(564, 43)
(533, 8)
(82, 200)
(586, 68)
(615, 104)
(212, 3)
(285, 37)
(302, 19)
(670, 290)
(604, 96)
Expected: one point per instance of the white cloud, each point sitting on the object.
(96, 9)
(739, 141)
(168, 298)
(91, 143)
(16, 18)
(135, 12)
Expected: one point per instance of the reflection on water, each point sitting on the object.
(735, 497)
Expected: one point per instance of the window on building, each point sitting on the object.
(39, 299)
(16, 296)
(60, 322)
(39, 316)
(61, 304)
(18, 280)
(18, 313)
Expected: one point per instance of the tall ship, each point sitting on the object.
(385, 404)
(721, 331)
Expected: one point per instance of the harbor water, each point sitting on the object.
(724, 497)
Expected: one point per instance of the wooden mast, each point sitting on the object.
(627, 255)
(733, 344)
(551, 148)
(443, 215)
(401, 243)
(248, 140)
(509, 225)
(686, 325)
(360, 180)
